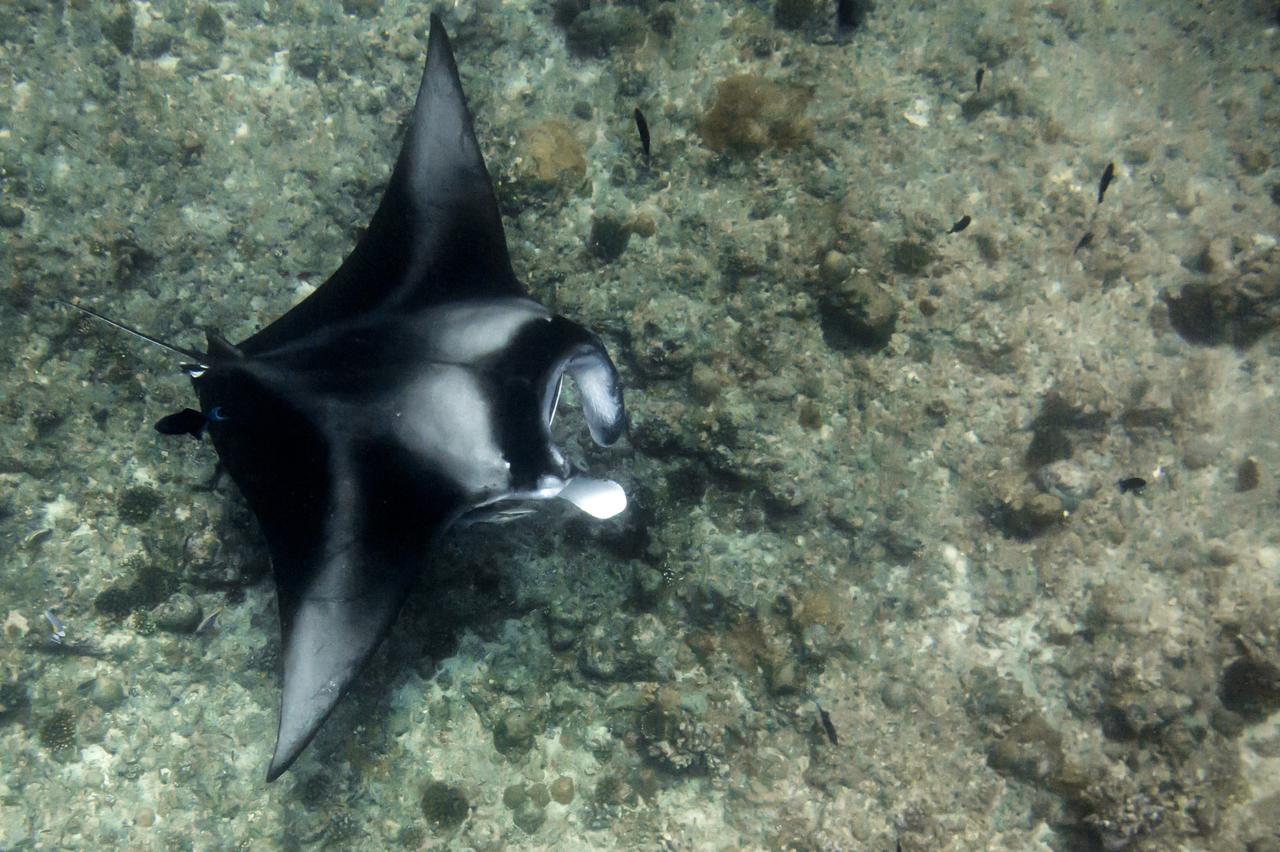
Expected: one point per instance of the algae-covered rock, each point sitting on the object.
(15, 700)
(513, 733)
(601, 29)
(856, 313)
(149, 585)
(609, 237)
(552, 159)
(137, 504)
(562, 790)
(209, 24)
(751, 114)
(444, 806)
(1031, 751)
(118, 29)
(1250, 688)
(58, 733)
(181, 613)
(107, 691)
(794, 14)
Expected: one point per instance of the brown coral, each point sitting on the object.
(750, 114)
(553, 157)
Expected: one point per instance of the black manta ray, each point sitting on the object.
(415, 388)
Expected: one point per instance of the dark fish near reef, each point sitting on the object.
(1107, 174)
(828, 728)
(414, 388)
(960, 225)
(188, 421)
(642, 127)
(1132, 485)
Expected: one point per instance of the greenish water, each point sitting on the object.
(878, 582)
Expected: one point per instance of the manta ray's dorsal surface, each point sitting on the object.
(415, 387)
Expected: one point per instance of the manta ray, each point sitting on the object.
(412, 390)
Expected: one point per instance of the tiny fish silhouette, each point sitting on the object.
(642, 127)
(1107, 174)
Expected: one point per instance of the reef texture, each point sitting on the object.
(879, 582)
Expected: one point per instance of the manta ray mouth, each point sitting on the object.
(596, 382)
(598, 387)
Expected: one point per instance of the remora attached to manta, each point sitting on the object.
(414, 388)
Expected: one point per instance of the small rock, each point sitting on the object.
(1031, 751)
(911, 257)
(1250, 688)
(664, 19)
(1025, 519)
(816, 641)
(706, 383)
(137, 504)
(857, 314)
(1199, 452)
(145, 817)
(794, 14)
(1226, 722)
(11, 216)
(1254, 159)
(513, 732)
(1248, 475)
(107, 691)
(562, 789)
(601, 29)
(529, 817)
(561, 635)
(835, 268)
(209, 24)
(514, 796)
(894, 695)
(539, 794)
(609, 237)
(642, 224)
(1263, 844)
(784, 678)
(648, 584)
(1067, 481)
(552, 159)
(1221, 554)
(15, 700)
(361, 8)
(444, 806)
(181, 613)
(118, 29)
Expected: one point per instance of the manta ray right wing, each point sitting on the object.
(437, 234)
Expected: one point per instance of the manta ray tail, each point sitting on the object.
(199, 358)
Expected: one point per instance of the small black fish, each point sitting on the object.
(1132, 485)
(961, 224)
(977, 79)
(643, 127)
(1107, 174)
(1085, 242)
(188, 421)
(825, 719)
